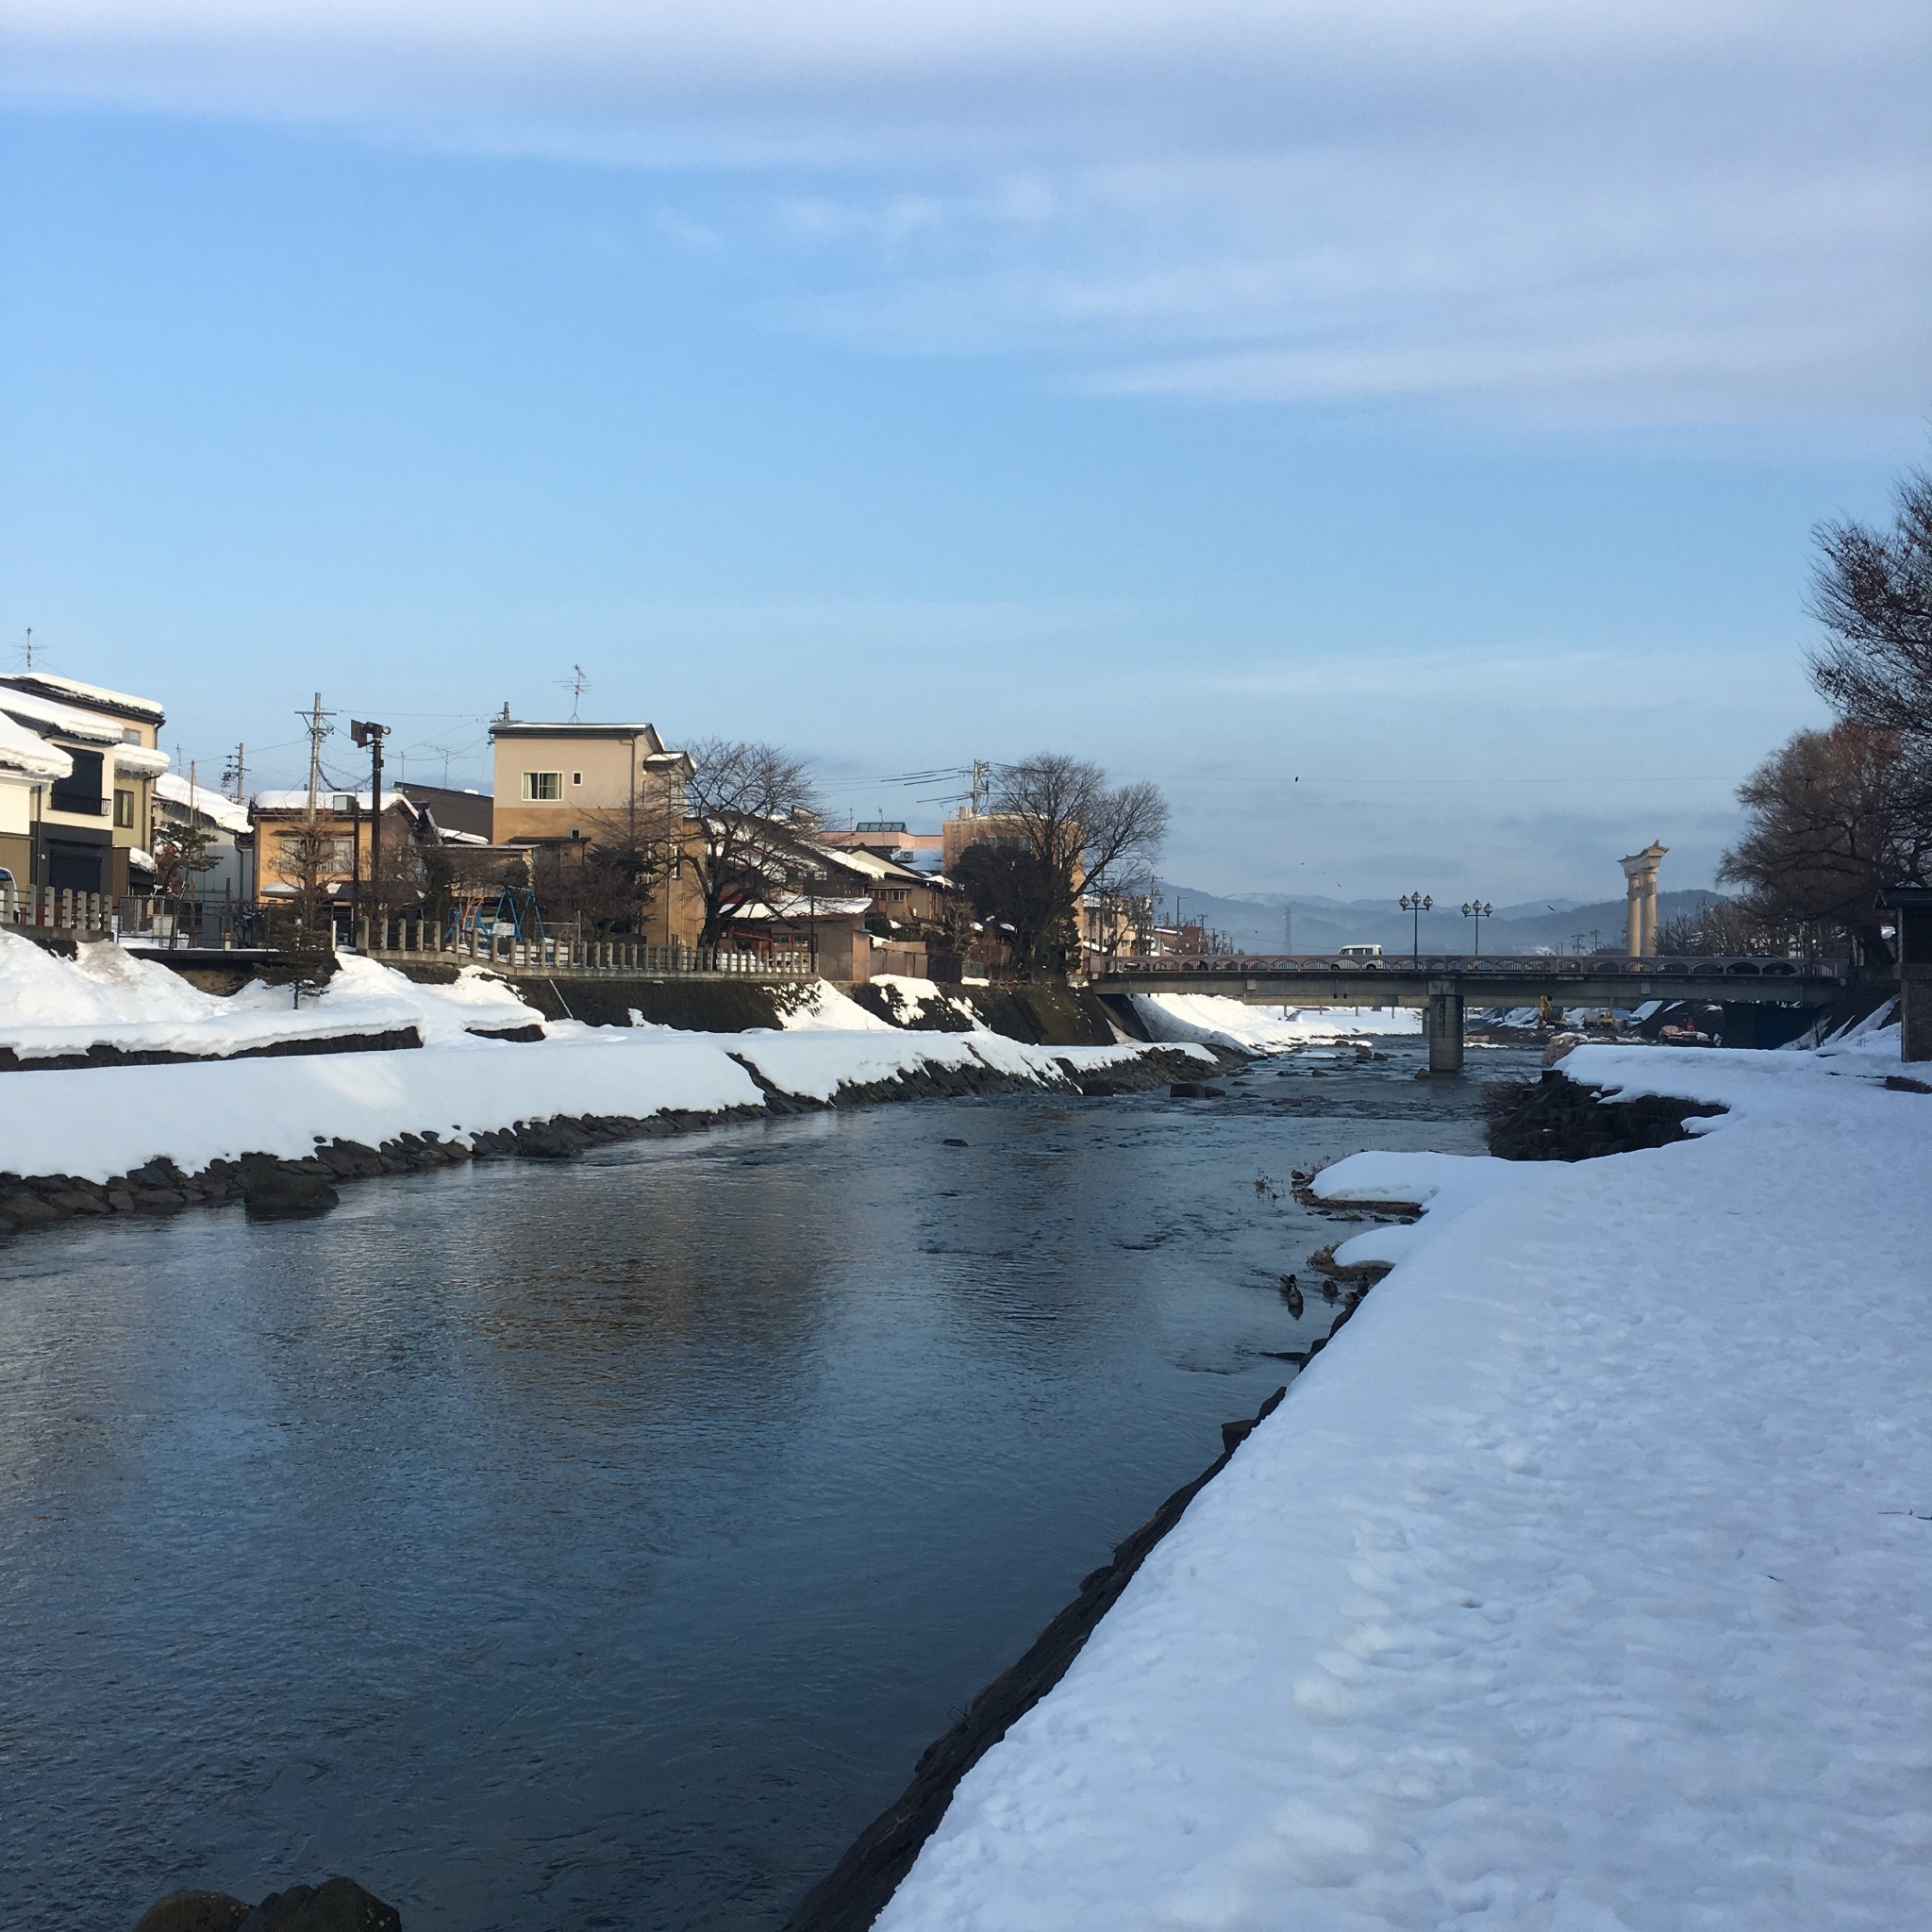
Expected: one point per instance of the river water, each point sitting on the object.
(600, 1544)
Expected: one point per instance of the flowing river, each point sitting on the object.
(600, 1544)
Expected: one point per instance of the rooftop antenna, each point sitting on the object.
(25, 652)
(578, 685)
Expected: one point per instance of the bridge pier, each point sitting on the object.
(1443, 1023)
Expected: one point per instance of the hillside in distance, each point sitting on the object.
(1273, 922)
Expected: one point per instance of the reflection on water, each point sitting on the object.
(599, 1546)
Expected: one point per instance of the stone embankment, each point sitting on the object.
(337, 1904)
(850, 1897)
(271, 1187)
(1557, 1118)
(852, 1893)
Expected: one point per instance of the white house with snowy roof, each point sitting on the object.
(91, 827)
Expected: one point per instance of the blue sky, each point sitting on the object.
(1396, 429)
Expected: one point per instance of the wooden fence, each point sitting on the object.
(47, 910)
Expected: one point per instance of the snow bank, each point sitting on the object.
(1580, 1584)
(915, 998)
(820, 1008)
(105, 996)
(366, 997)
(102, 1122)
(1217, 1021)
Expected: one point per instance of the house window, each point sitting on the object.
(540, 786)
(80, 791)
(321, 852)
(577, 777)
(130, 734)
(124, 808)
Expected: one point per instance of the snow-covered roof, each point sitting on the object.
(49, 685)
(329, 798)
(802, 906)
(140, 757)
(173, 789)
(139, 861)
(870, 864)
(44, 714)
(28, 754)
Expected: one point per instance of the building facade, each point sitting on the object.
(90, 831)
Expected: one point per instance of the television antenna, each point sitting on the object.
(577, 683)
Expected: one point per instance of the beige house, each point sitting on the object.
(565, 787)
(556, 783)
(91, 829)
(325, 859)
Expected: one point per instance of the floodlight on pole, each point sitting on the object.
(372, 735)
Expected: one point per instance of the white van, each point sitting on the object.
(1360, 951)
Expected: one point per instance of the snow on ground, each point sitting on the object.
(98, 1121)
(816, 1065)
(1217, 1021)
(1581, 1586)
(364, 996)
(820, 1008)
(103, 995)
(911, 998)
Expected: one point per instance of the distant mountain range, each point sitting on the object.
(1275, 923)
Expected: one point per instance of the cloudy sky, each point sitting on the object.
(1394, 425)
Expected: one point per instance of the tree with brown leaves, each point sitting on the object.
(1832, 817)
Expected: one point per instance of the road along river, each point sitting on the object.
(599, 1544)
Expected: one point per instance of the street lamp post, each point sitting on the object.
(1477, 910)
(1417, 903)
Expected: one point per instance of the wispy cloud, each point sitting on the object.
(1543, 211)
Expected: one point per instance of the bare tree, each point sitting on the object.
(1872, 590)
(1725, 927)
(308, 859)
(1830, 822)
(1084, 836)
(749, 805)
(608, 879)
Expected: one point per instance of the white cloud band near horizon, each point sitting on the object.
(1532, 214)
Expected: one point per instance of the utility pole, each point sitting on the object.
(313, 868)
(365, 733)
(237, 775)
(317, 730)
(982, 787)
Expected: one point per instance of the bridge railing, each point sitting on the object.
(1502, 965)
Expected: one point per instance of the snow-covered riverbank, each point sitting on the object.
(98, 1123)
(1583, 1583)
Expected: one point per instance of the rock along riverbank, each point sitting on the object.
(282, 1136)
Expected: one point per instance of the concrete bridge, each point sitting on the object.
(1442, 983)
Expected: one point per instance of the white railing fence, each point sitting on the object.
(407, 939)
